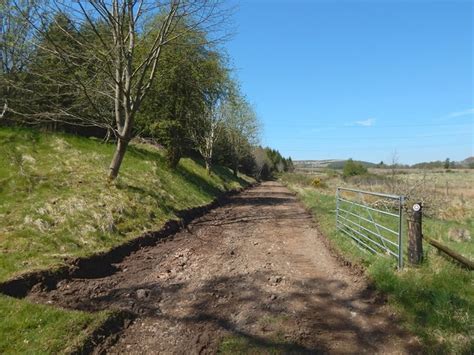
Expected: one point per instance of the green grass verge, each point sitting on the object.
(56, 203)
(435, 300)
(27, 328)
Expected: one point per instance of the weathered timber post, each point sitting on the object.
(415, 234)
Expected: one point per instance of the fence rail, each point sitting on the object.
(375, 226)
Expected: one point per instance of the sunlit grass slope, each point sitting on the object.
(56, 203)
(55, 200)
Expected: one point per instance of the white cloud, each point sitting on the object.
(366, 123)
(460, 113)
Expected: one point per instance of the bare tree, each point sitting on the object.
(280, 167)
(261, 161)
(123, 46)
(394, 160)
(206, 136)
(242, 128)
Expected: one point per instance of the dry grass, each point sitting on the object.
(447, 197)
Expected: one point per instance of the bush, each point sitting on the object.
(351, 168)
(318, 183)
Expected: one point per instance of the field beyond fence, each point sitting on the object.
(447, 197)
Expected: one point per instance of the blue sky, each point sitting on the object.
(360, 79)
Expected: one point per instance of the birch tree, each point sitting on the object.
(207, 135)
(114, 69)
(262, 163)
(242, 128)
(215, 92)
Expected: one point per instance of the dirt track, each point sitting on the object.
(255, 268)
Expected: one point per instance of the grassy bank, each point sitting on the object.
(435, 301)
(31, 328)
(55, 204)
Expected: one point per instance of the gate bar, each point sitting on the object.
(395, 197)
(368, 220)
(370, 208)
(371, 232)
(371, 240)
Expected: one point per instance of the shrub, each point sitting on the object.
(351, 168)
(318, 183)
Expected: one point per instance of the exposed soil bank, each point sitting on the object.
(251, 274)
(102, 264)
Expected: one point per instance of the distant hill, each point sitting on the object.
(304, 165)
(340, 164)
(468, 161)
(314, 163)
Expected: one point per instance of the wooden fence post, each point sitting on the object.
(415, 246)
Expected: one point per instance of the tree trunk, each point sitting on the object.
(208, 165)
(4, 110)
(236, 168)
(117, 159)
(173, 157)
(5, 103)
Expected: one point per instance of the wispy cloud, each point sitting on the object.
(366, 123)
(460, 113)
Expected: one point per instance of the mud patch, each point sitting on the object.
(106, 335)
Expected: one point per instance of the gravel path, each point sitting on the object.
(254, 271)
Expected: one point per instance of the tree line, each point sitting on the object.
(127, 68)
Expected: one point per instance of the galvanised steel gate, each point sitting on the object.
(373, 220)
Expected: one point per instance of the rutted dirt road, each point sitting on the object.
(255, 270)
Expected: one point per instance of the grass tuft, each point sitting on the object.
(40, 329)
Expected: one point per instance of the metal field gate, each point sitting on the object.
(373, 220)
